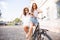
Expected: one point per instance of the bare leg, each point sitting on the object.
(26, 29)
(30, 31)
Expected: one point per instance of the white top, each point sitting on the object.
(35, 13)
(26, 20)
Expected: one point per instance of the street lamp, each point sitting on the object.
(0, 13)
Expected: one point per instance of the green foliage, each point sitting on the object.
(10, 24)
(17, 20)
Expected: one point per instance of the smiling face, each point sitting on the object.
(26, 10)
(34, 6)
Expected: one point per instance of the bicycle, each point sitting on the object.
(39, 34)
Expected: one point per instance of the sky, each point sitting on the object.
(12, 9)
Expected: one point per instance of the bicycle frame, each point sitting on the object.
(37, 32)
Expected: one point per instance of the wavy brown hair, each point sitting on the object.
(33, 6)
(25, 10)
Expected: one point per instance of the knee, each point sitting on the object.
(26, 29)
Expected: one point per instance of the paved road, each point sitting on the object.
(17, 33)
(12, 33)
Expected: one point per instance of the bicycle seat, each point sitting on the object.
(43, 31)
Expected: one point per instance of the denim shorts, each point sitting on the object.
(34, 20)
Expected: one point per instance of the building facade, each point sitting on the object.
(51, 9)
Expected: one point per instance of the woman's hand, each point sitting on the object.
(40, 11)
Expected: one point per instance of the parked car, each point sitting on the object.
(19, 23)
(2, 23)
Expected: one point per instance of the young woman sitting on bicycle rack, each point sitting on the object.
(26, 19)
(27, 24)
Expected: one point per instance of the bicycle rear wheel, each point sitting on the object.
(43, 37)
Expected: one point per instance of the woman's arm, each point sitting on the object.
(40, 11)
(32, 15)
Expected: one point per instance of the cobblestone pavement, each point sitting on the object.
(12, 33)
(17, 33)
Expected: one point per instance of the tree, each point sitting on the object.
(17, 20)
